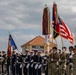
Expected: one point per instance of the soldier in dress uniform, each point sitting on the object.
(31, 63)
(70, 60)
(39, 63)
(0, 58)
(3, 62)
(0, 61)
(63, 61)
(12, 62)
(26, 62)
(35, 67)
(45, 63)
(54, 58)
(0, 54)
(8, 65)
(18, 64)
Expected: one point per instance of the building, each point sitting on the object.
(36, 43)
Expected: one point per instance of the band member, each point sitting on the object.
(26, 62)
(0, 54)
(18, 64)
(3, 61)
(45, 63)
(12, 62)
(39, 62)
(8, 64)
(35, 67)
(31, 63)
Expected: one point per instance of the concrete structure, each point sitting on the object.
(36, 43)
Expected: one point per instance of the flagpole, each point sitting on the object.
(62, 41)
(46, 26)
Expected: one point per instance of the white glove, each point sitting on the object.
(51, 59)
(31, 65)
(39, 66)
(70, 56)
(21, 66)
(27, 66)
(36, 66)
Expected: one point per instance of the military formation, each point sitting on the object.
(57, 62)
(60, 62)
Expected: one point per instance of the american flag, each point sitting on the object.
(60, 28)
(65, 31)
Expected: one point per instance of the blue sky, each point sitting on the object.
(23, 18)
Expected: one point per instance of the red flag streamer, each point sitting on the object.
(55, 21)
(46, 21)
(9, 48)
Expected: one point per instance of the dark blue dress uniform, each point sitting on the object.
(31, 65)
(26, 64)
(45, 64)
(3, 62)
(39, 64)
(8, 64)
(13, 60)
(35, 67)
(18, 65)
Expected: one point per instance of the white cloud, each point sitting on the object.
(23, 18)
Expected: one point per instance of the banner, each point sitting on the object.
(46, 21)
(55, 21)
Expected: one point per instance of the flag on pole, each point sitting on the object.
(12, 43)
(46, 21)
(55, 21)
(60, 28)
(65, 31)
(9, 48)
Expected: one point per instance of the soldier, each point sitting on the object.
(31, 63)
(8, 64)
(39, 62)
(18, 64)
(0, 58)
(75, 49)
(45, 63)
(74, 60)
(0, 61)
(63, 61)
(70, 60)
(54, 58)
(0, 54)
(12, 62)
(3, 62)
(35, 67)
(26, 62)
(59, 52)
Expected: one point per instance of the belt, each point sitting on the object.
(26, 62)
(35, 62)
(18, 62)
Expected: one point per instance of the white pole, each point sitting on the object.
(47, 42)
